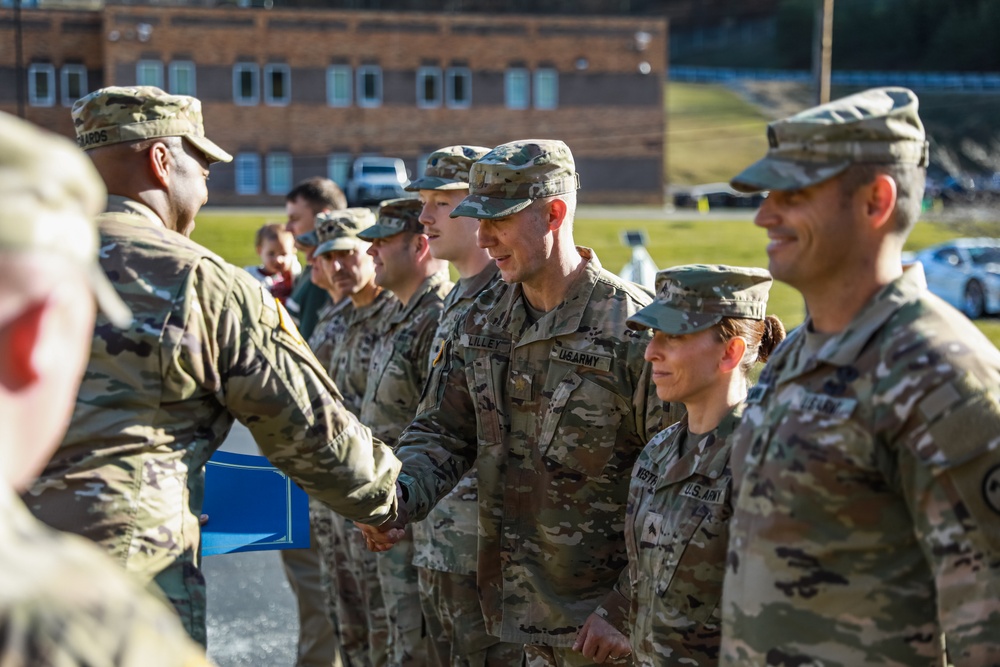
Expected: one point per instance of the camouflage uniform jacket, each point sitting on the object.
(867, 513)
(448, 539)
(330, 328)
(556, 413)
(208, 345)
(63, 603)
(399, 368)
(351, 356)
(676, 533)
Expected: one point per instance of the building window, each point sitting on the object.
(182, 77)
(459, 88)
(277, 84)
(515, 88)
(41, 85)
(247, 174)
(338, 168)
(279, 173)
(369, 86)
(74, 83)
(245, 86)
(546, 88)
(149, 73)
(338, 85)
(428, 87)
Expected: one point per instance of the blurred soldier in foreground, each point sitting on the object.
(866, 529)
(446, 543)
(208, 345)
(62, 601)
(547, 387)
(398, 372)
(342, 256)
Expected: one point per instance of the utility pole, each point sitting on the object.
(823, 49)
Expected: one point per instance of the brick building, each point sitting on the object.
(295, 93)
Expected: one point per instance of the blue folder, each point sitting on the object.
(251, 506)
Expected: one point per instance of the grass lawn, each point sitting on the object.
(671, 242)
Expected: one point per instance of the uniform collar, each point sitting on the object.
(844, 348)
(469, 288)
(509, 312)
(119, 204)
(429, 284)
(707, 455)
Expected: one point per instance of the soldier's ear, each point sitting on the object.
(160, 163)
(880, 200)
(732, 357)
(556, 210)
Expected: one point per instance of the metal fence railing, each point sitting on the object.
(968, 82)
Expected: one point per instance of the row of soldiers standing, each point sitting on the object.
(542, 385)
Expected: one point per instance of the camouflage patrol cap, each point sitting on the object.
(338, 230)
(394, 217)
(877, 126)
(118, 114)
(448, 168)
(49, 195)
(694, 297)
(508, 178)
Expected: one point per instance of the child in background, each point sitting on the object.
(279, 265)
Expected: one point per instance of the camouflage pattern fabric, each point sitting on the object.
(877, 126)
(695, 297)
(63, 602)
(330, 327)
(360, 609)
(556, 413)
(394, 217)
(456, 629)
(306, 302)
(867, 514)
(120, 114)
(559, 656)
(397, 376)
(508, 178)
(676, 533)
(448, 168)
(208, 345)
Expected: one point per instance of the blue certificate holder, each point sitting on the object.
(251, 506)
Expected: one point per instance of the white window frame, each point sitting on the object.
(238, 98)
(49, 71)
(65, 73)
(451, 75)
(269, 99)
(174, 68)
(339, 162)
(278, 182)
(423, 75)
(365, 102)
(541, 89)
(510, 80)
(332, 99)
(247, 173)
(155, 67)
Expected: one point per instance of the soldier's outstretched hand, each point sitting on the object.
(385, 536)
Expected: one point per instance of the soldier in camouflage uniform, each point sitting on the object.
(332, 318)
(62, 601)
(397, 375)
(343, 257)
(866, 529)
(446, 542)
(547, 389)
(710, 330)
(208, 345)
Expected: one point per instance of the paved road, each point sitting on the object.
(252, 620)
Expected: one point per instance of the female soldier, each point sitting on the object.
(710, 330)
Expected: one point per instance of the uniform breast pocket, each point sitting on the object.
(485, 396)
(686, 578)
(581, 426)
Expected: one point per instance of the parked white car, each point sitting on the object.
(374, 179)
(965, 273)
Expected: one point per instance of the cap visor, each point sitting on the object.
(378, 232)
(436, 183)
(308, 239)
(771, 173)
(108, 300)
(339, 244)
(489, 208)
(209, 148)
(670, 321)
